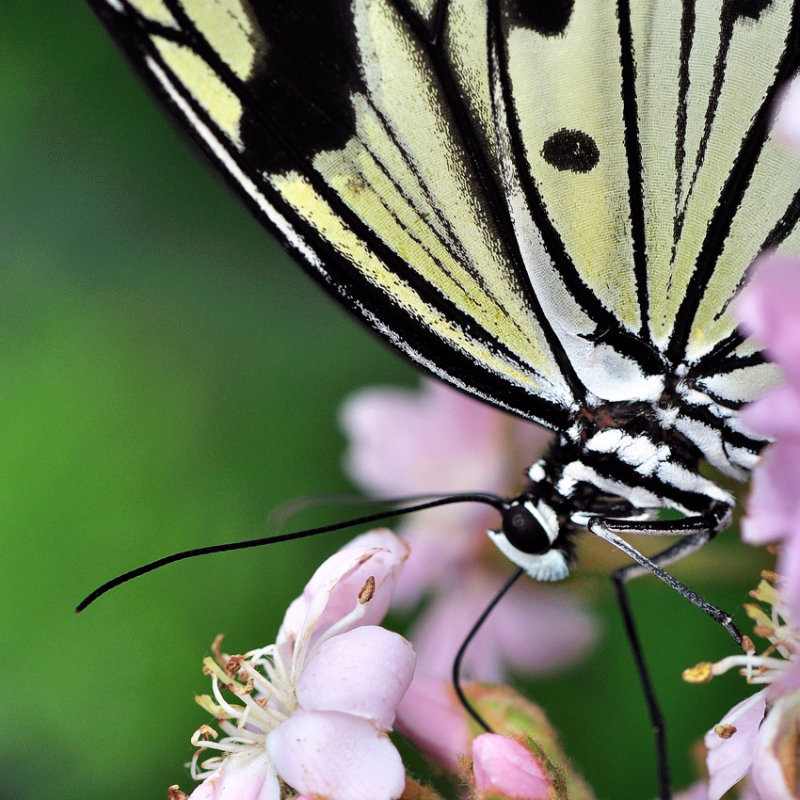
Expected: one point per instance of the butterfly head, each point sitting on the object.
(533, 536)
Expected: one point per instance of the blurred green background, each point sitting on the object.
(168, 378)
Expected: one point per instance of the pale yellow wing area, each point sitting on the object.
(693, 142)
(567, 99)
(407, 176)
(664, 158)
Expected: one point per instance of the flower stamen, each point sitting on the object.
(285, 730)
(777, 658)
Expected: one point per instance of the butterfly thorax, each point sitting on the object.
(620, 460)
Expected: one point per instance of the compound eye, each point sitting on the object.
(524, 531)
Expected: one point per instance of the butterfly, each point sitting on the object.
(548, 205)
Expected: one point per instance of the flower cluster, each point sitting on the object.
(310, 714)
(756, 742)
(768, 308)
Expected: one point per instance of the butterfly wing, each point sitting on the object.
(535, 202)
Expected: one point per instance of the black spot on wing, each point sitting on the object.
(752, 9)
(548, 17)
(303, 82)
(571, 150)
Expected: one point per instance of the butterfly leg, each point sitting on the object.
(651, 700)
(456, 674)
(697, 532)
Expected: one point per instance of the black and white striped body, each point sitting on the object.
(622, 461)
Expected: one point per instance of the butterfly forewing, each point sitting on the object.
(545, 204)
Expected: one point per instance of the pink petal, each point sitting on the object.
(697, 791)
(776, 756)
(556, 630)
(433, 439)
(381, 538)
(776, 414)
(788, 683)
(774, 499)
(400, 439)
(363, 672)
(504, 767)
(787, 118)
(431, 716)
(788, 566)
(767, 308)
(334, 589)
(442, 628)
(729, 760)
(242, 776)
(334, 756)
(437, 549)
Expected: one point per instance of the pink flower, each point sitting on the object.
(314, 709)
(432, 717)
(787, 118)
(756, 742)
(506, 768)
(731, 744)
(768, 308)
(437, 440)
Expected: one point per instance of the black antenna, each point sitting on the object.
(468, 639)
(281, 514)
(495, 501)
